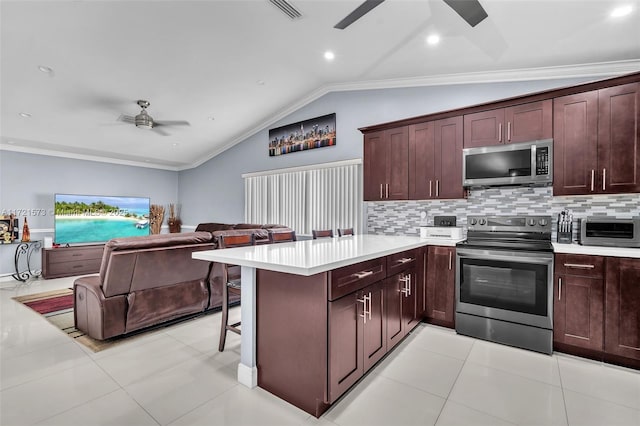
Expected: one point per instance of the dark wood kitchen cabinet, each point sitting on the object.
(520, 123)
(401, 296)
(386, 165)
(435, 159)
(578, 306)
(357, 337)
(597, 141)
(441, 285)
(622, 308)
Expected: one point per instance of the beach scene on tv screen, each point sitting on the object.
(89, 218)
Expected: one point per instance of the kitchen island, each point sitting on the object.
(317, 314)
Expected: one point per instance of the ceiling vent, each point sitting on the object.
(287, 8)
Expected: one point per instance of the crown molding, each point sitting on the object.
(601, 69)
(596, 70)
(85, 157)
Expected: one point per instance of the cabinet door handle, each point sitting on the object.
(370, 309)
(381, 195)
(593, 179)
(579, 266)
(500, 132)
(430, 192)
(604, 179)
(437, 188)
(361, 275)
(364, 308)
(449, 260)
(387, 190)
(508, 131)
(559, 288)
(404, 280)
(409, 284)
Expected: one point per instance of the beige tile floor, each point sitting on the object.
(176, 376)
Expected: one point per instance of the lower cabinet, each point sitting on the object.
(622, 308)
(440, 285)
(366, 324)
(597, 307)
(578, 306)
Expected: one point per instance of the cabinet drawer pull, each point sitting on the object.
(604, 179)
(500, 132)
(579, 266)
(405, 260)
(361, 275)
(508, 131)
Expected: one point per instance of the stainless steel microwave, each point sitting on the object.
(511, 164)
(608, 231)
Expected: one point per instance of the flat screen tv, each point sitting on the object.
(98, 218)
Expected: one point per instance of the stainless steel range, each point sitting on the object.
(504, 281)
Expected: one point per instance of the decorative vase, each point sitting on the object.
(26, 235)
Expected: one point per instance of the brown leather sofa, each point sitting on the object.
(145, 281)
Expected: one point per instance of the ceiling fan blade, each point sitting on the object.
(159, 131)
(126, 118)
(470, 10)
(171, 123)
(358, 13)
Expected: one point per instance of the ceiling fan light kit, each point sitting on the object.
(145, 121)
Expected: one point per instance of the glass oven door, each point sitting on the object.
(513, 286)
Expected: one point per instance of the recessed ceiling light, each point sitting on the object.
(433, 39)
(329, 55)
(212, 118)
(45, 69)
(260, 82)
(24, 114)
(621, 11)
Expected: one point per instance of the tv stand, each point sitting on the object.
(69, 261)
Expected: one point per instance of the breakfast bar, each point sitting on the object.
(299, 301)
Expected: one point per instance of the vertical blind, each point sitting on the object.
(321, 197)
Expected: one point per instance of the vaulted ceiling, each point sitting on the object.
(70, 69)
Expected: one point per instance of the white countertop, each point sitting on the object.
(310, 257)
(596, 250)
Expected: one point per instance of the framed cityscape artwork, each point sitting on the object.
(304, 135)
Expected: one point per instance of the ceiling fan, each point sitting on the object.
(470, 10)
(145, 121)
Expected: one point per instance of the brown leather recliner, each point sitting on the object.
(143, 281)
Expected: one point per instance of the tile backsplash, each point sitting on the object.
(404, 217)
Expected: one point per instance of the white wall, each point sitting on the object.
(28, 183)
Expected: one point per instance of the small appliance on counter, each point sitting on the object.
(610, 231)
(444, 227)
(565, 227)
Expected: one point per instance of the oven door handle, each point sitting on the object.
(541, 258)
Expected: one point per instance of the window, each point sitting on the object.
(323, 196)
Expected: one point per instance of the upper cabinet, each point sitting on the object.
(519, 123)
(597, 141)
(386, 165)
(435, 159)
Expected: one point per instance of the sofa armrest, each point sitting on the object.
(95, 315)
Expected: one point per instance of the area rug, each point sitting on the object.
(57, 308)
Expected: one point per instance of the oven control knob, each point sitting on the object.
(482, 221)
(473, 221)
(531, 222)
(542, 222)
